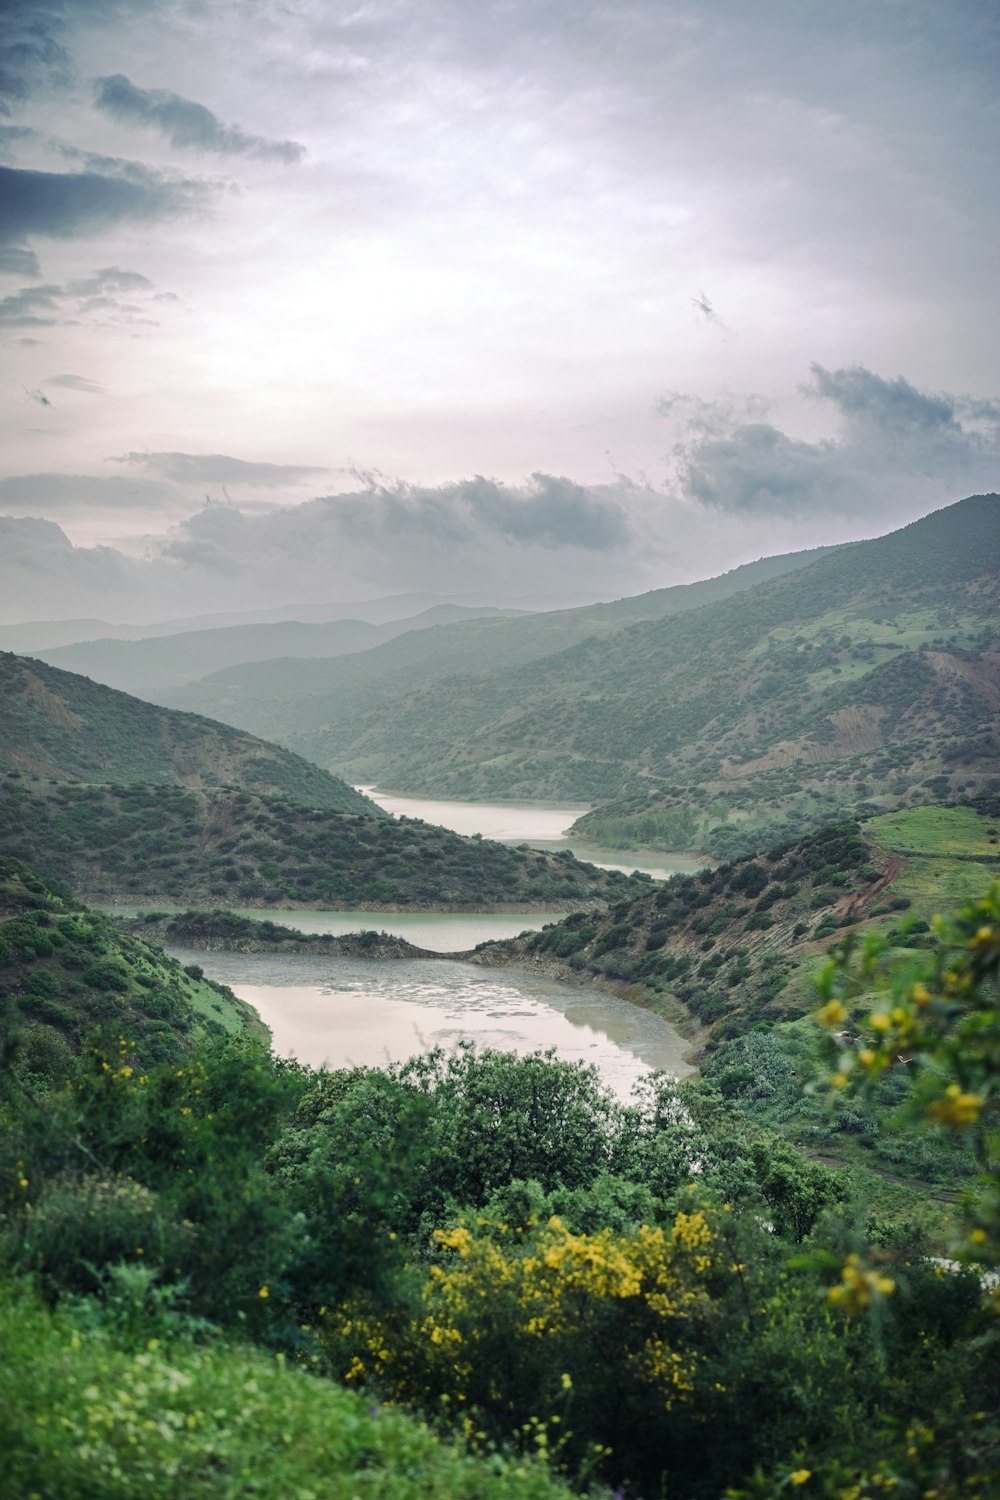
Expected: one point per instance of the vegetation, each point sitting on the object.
(67, 728)
(224, 931)
(862, 682)
(66, 972)
(302, 704)
(152, 667)
(218, 846)
(663, 1295)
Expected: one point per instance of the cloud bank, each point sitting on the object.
(896, 448)
(740, 487)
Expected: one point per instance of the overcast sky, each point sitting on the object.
(319, 299)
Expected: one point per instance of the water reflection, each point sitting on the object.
(344, 1012)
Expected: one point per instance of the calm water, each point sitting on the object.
(441, 932)
(342, 1012)
(541, 825)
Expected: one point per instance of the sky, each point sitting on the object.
(310, 300)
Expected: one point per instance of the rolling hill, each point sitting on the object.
(219, 846)
(868, 679)
(66, 728)
(150, 668)
(307, 704)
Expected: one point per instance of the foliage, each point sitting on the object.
(92, 1412)
(159, 841)
(804, 698)
(63, 726)
(937, 1014)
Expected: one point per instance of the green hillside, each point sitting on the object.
(66, 972)
(66, 728)
(737, 946)
(306, 705)
(869, 678)
(222, 846)
(152, 667)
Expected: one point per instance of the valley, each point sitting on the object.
(313, 1045)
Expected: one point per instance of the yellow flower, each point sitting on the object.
(799, 1476)
(957, 1109)
(832, 1013)
(263, 1292)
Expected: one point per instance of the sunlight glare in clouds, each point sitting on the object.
(436, 241)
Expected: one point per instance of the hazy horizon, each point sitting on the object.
(302, 302)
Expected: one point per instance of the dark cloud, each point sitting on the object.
(32, 55)
(184, 122)
(33, 306)
(77, 383)
(548, 512)
(60, 205)
(896, 446)
(37, 396)
(15, 260)
(219, 468)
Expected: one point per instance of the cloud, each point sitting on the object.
(37, 396)
(549, 512)
(16, 260)
(219, 468)
(897, 448)
(184, 122)
(31, 54)
(33, 306)
(46, 576)
(46, 305)
(77, 383)
(65, 494)
(61, 205)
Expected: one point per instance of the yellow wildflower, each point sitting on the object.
(832, 1013)
(956, 1108)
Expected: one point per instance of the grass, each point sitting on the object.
(928, 831)
(88, 1416)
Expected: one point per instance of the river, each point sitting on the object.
(540, 824)
(342, 1012)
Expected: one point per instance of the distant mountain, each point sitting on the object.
(309, 705)
(64, 727)
(150, 668)
(870, 676)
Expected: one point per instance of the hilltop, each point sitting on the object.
(215, 845)
(152, 667)
(310, 705)
(870, 677)
(64, 727)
